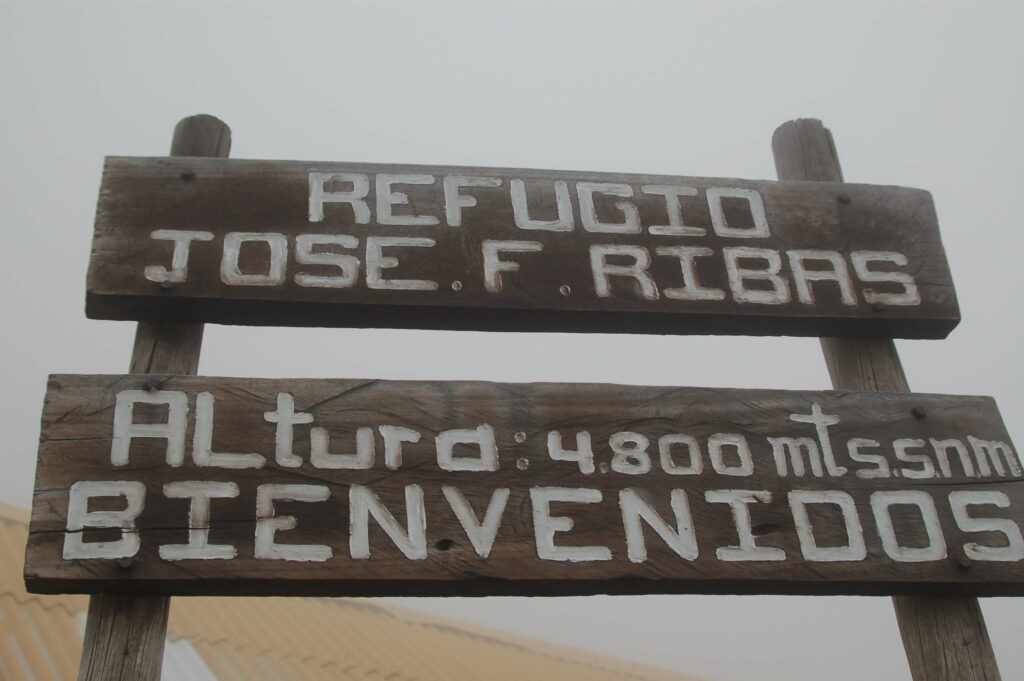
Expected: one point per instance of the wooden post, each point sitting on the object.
(944, 637)
(124, 635)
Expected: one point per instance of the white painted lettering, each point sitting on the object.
(1014, 549)
(927, 469)
(630, 451)
(855, 549)
(821, 422)
(675, 226)
(778, 291)
(482, 437)
(481, 535)
(637, 270)
(837, 272)
(394, 436)
(125, 429)
(454, 202)
(202, 441)
(268, 524)
(588, 213)
(179, 257)
(716, 445)
(305, 255)
(989, 451)
(411, 540)
(545, 525)
(941, 449)
(285, 417)
(494, 265)
(668, 464)
(635, 508)
(747, 548)
(583, 454)
(797, 448)
(199, 546)
(387, 197)
(521, 212)
(883, 500)
(318, 195)
(718, 220)
(80, 518)
(881, 464)
(376, 262)
(320, 456)
(274, 276)
(861, 265)
(691, 288)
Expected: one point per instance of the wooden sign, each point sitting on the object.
(191, 485)
(360, 245)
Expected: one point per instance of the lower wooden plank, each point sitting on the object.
(195, 485)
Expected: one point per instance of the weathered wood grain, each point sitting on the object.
(613, 263)
(944, 637)
(79, 423)
(124, 635)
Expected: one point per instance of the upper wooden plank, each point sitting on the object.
(523, 489)
(364, 245)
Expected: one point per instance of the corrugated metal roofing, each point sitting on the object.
(298, 639)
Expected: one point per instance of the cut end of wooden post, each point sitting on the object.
(804, 150)
(201, 135)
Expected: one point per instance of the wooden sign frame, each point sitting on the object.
(944, 637)
(180, 485)
(496, 249)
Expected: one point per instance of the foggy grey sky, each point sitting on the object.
(917, 94)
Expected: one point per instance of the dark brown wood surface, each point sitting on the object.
(124, 634)
(76, 445)
(945, 637)
(547, 276)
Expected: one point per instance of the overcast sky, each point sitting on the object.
(917, 94)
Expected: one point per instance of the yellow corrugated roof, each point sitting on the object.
(298, 639)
